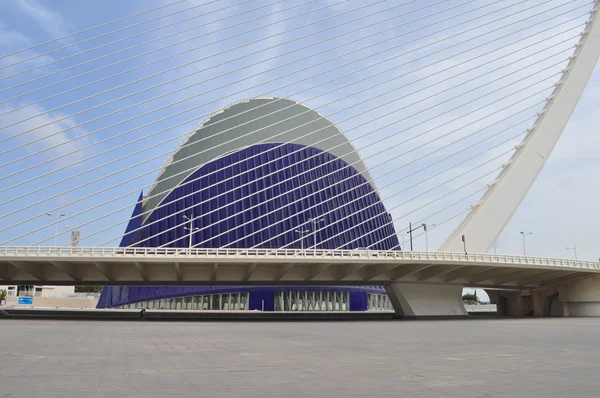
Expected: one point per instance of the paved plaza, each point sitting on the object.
(465, 358)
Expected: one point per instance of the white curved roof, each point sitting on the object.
(246, 123)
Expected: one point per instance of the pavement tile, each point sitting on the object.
(527, 357)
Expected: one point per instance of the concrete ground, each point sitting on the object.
(463, 358)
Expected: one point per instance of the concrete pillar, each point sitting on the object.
(580, 297)
(513, 303)
(539, 303)
(415, 300)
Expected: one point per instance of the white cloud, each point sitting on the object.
(49, 21)
(10, 37)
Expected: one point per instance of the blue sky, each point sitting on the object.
(386, 68)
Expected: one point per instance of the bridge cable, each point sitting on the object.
(91, 28)
(130, 142)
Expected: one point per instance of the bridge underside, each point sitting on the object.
(305, 271)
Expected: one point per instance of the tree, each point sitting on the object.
(2, 294)
(470, 297)
(88, 289)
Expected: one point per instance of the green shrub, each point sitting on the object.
(88, 289)
(470, 297)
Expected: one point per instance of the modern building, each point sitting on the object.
(38, 291)
(262, 173)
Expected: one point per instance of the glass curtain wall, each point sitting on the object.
(312, 301)
(379, 302)
(207, 302)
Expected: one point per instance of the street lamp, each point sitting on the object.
(524, 234)
(315, 222)
(190, 228)
(301, 232)
(424, 225)
(58, 216)
(574, 248)
(495, 246)
(410, 231)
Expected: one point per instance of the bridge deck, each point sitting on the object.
(151, 266)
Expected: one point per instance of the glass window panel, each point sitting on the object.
(244, 301)
(225, 301)
(235, 301)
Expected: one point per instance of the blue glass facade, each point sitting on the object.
(257, 197)
(114, 296)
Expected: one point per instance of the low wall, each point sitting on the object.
(183, 315)
(54, 302)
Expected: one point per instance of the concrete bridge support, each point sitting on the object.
(418, 300)
(528, 303)
(579, 297)
(514, 303)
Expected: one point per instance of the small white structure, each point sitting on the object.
(37, 291)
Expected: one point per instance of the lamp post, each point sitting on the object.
(524, 234)
(190, 228)
(315, 222)
(495, 246)
(58, 216)
(426, 235)
(410, 231)
(302, 232)
(574, 248)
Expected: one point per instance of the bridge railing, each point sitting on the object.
(42, 251)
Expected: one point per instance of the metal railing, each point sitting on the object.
(40, 251)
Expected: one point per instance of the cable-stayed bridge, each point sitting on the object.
(293, 142)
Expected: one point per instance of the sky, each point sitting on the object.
(413, 92)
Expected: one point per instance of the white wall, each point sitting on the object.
(47, 291)
(57, 291)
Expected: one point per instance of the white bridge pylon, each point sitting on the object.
(151, 266)
(485, 222)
